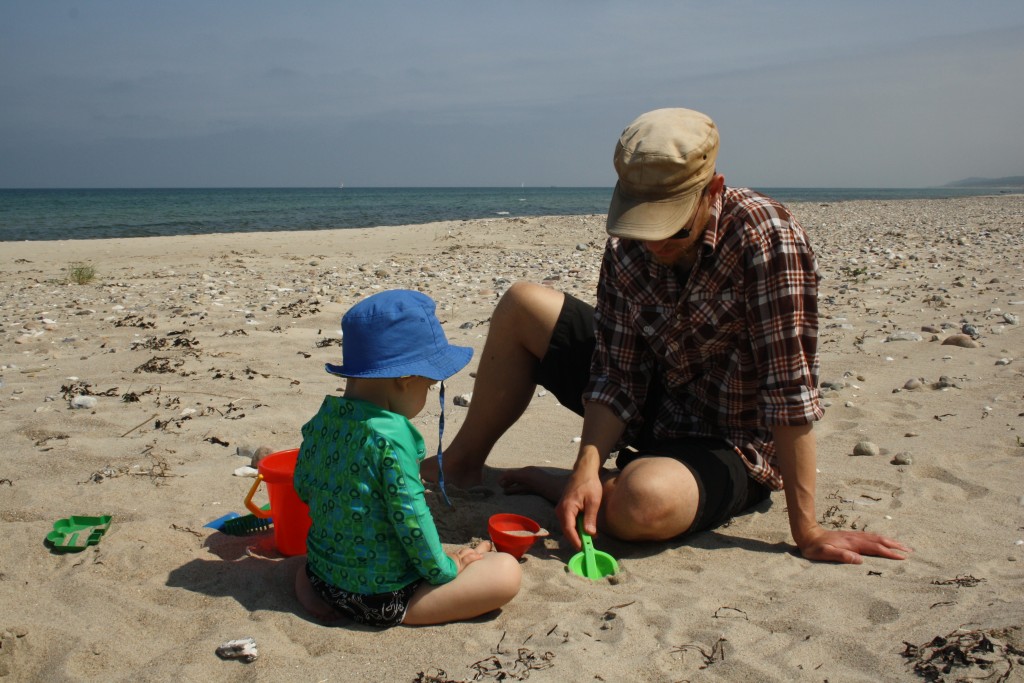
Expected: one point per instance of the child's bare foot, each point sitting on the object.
(545, 482)
(310, 600)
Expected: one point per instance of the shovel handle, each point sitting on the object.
(589, 563)
(253, 508)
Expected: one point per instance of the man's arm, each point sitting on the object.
(602, 429)
(797, 455)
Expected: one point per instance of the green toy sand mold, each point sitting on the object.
(74, 534)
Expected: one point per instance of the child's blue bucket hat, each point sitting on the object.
(395, 333)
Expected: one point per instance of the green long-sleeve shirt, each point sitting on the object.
(358, 470)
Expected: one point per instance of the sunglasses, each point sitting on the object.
(686, 231)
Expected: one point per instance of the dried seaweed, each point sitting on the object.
(966, 655)
(961, 581)
(716, 653)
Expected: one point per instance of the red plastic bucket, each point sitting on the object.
(291, 515)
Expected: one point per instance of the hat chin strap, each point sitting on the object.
(440, 455)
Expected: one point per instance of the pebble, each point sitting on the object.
(463, 400)
(903, 336)
(243, 649)
(866, 448)
(1011, 318)
(261, 452)
(1004, 361)
(246, 471)
(912, 383)
(962, 340)
(902, 458)
(83, 402)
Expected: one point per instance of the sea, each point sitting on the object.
(73, 214)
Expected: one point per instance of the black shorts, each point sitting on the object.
(725, 487)
(382, 610)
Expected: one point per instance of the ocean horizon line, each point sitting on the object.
(96, 213)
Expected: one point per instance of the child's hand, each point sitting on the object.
(466, 556)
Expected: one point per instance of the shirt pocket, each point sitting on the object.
(715, 326)
(660, 327)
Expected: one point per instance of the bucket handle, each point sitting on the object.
(259, 512)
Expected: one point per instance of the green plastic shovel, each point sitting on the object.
(589, 563)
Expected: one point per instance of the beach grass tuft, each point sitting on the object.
(81, 273)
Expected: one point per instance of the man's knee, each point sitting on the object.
(654, 499)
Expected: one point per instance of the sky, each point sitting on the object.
(403, 93)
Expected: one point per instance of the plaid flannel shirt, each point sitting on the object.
(734, 343)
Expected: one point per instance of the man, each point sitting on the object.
(699, 365)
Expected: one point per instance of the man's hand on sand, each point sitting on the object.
(849, 547)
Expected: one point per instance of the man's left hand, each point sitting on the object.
(849, 547)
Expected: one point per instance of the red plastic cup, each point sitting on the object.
(502, 529)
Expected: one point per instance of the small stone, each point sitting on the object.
(866, 448)
(911, 434)
(1004, 361)
(467, 326)
(245, 451)
(246, 472)
(903, 336)
(261, 452)
(463, 400)
(244, 649)
(83, 402)
(962, 340)
(581, 247)
(1011, 318)
(971, 330)
(902, 458)
(912, 383)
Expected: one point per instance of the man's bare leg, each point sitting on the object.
(520, 332)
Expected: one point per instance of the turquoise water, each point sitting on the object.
(90, 214)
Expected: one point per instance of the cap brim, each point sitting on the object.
(646, 219)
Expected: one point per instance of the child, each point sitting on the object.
(373, 553)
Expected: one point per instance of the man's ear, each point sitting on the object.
(716, 185)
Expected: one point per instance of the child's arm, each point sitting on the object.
(413, 522)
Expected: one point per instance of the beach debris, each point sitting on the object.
(1011, 319)
(971, 330)
(243, 649)
(1004, 361)
(246, 472)
(967, 655)
(912, 384)
(463, 400)
(866, 448)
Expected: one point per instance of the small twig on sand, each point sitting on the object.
(139, 425)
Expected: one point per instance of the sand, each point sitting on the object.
(199, 348)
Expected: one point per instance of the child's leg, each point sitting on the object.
(481, 587)
(309, 599)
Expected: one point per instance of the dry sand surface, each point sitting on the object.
(198, 348)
